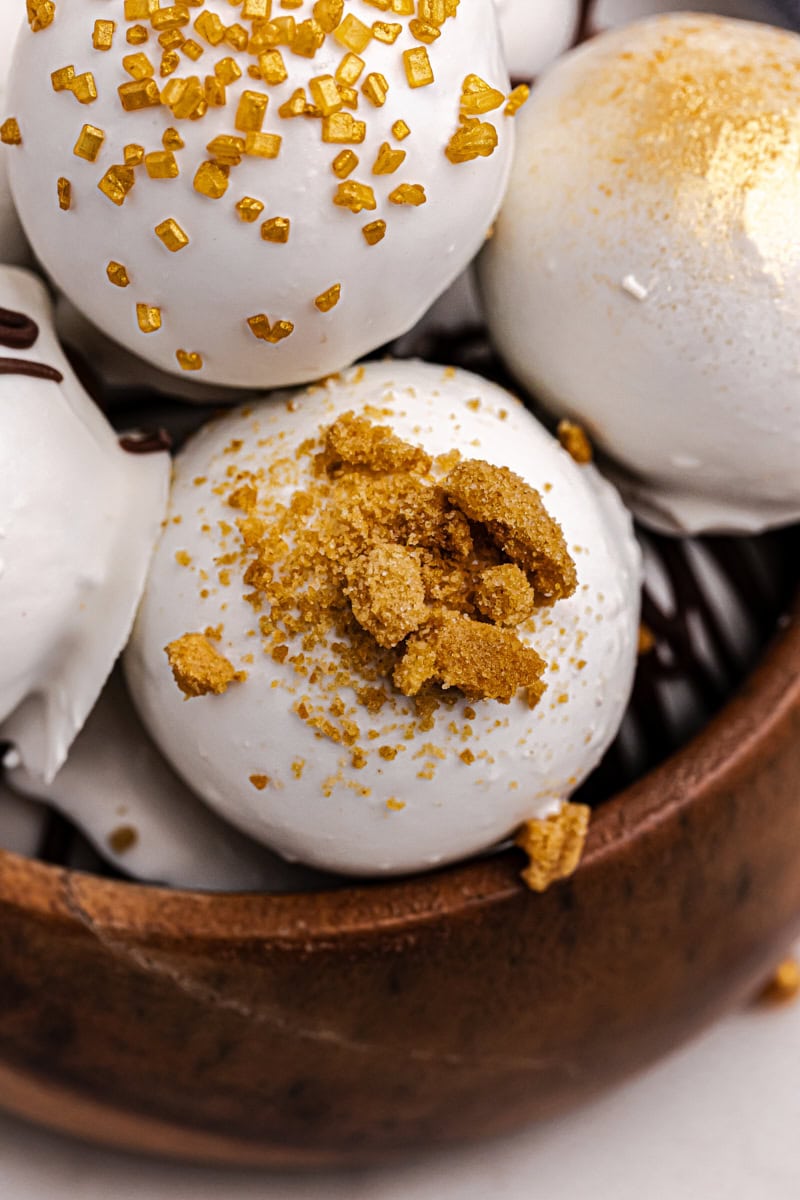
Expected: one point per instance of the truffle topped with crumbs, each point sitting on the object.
(400, 602)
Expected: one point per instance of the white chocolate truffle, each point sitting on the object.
(328, 763)
(536, 32)
(644, 276)
(13, 243)
(269, 248)
(79, 518)
(118, 789)
(609, 14)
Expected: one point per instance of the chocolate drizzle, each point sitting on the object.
(20, 332)
(17, 331)
(149, 441)
(24, 366)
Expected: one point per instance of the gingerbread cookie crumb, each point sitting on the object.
(504, 595)
(357, 442)
(554, 845)
(784, 986)
(122, 839)
(199, 668)
(385, 588)
(519, 523)
(483, 661)
(575, 441)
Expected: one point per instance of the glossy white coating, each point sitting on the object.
(228, 273)
(644, 276)
(535, 32)
(425, 806)
(79, 518)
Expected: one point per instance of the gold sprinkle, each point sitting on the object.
(249, 209)
(173, 237)
(349, 70)
(133, 155)
(189, 360)
(251, 111)
(161, 164)
(172, 140)
(344, 164)
(388, 160)
(149, 318)
(64, 194)
(276, 230)
(262, 329)
(374, 232)
(400, 130)
(375, 88)
(419, 72)
(40, 14)
(516, 99)
(408, 193)
(89, 143)
(259, 782)
(355, 196)
(211, 180)
(103, 34)
(477, 97)
(138, 66)
(329, 299)
(139, 94)
(118, 274)
(262, 145)
(117, 183)
(475, 139)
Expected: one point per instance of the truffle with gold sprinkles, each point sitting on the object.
(400, 620)
(644, 275)
(278, 152)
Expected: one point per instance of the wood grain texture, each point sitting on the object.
(352, 1025)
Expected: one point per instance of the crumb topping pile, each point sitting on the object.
(184, 60)
(394, 572)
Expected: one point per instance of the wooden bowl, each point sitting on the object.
(349, 1026)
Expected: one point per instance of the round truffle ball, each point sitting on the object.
(79, 518)
(258, 202)
(644, 276)
(367, 691)
(534, 34)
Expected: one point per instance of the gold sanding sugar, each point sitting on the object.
(198, 668)
(554, 845)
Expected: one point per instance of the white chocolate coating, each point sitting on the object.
(13, 243)
(425, 806)
(644, 276)
(535, 32)
(115, 778)
(227, 273)
(78, 521)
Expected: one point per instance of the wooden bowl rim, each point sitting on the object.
(729, 744)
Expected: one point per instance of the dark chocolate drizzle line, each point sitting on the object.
(151, 441)
(36, 370)
(17, 331)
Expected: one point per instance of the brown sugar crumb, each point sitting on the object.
(123, 839)
(504, 595)
(784, 986)
(518, 522)
(387, 594)
(484, 662)
(354, 441)
(199, 668)
(554, 846)
(575, 441)
(259, 782)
